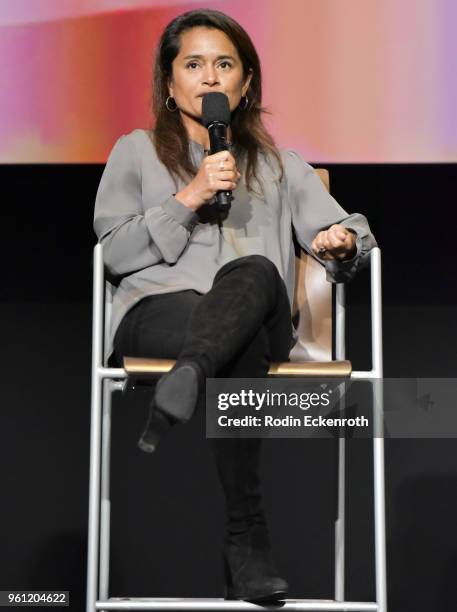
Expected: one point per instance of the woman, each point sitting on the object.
(212, 290)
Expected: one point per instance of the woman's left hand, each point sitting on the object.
(335, 243)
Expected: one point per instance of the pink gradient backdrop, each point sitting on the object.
(346, 80)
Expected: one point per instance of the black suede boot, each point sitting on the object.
(250, 572)
(174, 401)
(246, 294)
(157, 425)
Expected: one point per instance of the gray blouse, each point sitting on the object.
(154, 244)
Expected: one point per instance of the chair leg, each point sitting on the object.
(379, 496)
(105, 492)
(94, 493)
(340, 523)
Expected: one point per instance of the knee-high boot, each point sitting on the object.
(246, 294)
(250, 572)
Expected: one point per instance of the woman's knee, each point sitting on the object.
(259, 265)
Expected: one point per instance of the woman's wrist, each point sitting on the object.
(187, 199)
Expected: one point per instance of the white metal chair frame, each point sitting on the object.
(105, 380)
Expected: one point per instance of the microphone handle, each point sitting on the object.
(218, 142)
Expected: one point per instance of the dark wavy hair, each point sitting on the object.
(249, 135)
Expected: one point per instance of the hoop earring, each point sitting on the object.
(246, 102)
(172, 110)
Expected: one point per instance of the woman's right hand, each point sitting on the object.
(217, 172)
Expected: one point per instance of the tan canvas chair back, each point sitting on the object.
(312, 306)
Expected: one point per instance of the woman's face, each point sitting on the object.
(207, 61)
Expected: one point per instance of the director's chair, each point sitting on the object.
(312, 357)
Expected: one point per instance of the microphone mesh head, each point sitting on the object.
(215, 107)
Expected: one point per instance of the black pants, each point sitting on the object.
(245, 320)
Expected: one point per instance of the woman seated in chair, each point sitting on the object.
(213, 290)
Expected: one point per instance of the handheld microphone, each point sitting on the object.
(216, 117)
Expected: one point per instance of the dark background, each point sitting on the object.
(167, 515)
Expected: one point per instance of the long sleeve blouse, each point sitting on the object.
(154, 244)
